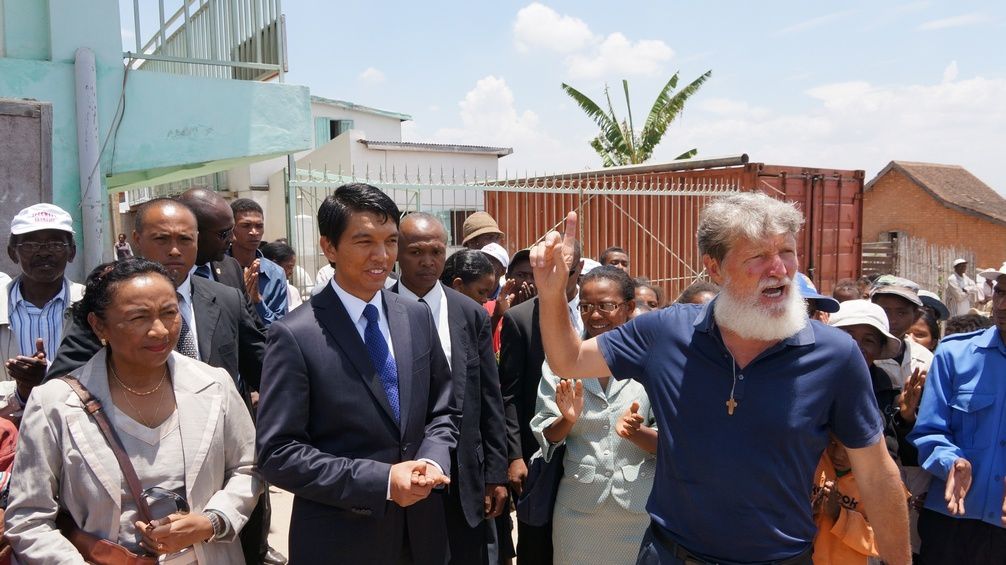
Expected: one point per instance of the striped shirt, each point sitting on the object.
(29, 322)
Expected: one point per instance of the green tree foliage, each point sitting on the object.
(618, 144)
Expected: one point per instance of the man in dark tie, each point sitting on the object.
(356, 417)
(478, 492)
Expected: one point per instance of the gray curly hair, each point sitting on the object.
(748, 215)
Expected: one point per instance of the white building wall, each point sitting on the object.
(373, 126)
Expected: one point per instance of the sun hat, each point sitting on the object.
(40, 217)
(809, 292)
(933, 301)
(864, 312)
(478, 224)
(898, 286)
(497, 252)
(960, 262)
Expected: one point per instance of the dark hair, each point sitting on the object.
(101, 282)
(277, 251)
(967, 323)
(469, 265)
(609, 273)
(604, 254)
(695, 289)
(929, 317)
(242, 205)
(157, 203)
(644, 281)
(349, 199)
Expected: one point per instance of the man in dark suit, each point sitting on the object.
(356, 416)
(216, 231)
(226, 333)
(521, 358)
(477, 493)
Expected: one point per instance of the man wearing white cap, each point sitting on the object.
(33, 305)
(962, 293)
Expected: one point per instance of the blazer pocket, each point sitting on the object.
(582, 473)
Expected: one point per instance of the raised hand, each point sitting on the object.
(958, 484)
(569, 398)
(552, 259)
(630, 421)
(911, 393)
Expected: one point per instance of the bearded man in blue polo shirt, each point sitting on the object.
(746, 391)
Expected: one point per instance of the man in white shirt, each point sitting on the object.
(962, 293)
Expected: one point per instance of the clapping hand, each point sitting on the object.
(630, 421)
(569, 398)
(251, 281)
(958, 484)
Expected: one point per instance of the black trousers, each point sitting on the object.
(534, 544)
(255, 535)
(952, 541)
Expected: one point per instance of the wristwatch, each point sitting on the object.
(218, 522)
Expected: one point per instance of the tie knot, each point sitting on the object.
(370, 313)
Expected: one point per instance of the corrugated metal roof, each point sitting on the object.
(360, 108)
(435, 147)
(953, 185)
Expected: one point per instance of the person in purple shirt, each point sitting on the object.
(746, 391)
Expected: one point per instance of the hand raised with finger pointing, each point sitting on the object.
(552, 259)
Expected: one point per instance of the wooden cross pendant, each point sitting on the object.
(731, 404)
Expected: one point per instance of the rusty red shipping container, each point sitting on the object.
(653, 211)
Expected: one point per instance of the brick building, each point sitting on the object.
(943, 204)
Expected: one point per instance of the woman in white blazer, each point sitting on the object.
(607, 428)
(182, 423)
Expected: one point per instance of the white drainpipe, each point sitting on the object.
(88, 151)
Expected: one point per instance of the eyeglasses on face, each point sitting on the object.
(224, 234)
(607, 307)
(32, 247)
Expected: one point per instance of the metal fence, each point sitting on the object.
(655, 221)
(233, 39)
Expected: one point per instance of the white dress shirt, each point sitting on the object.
(354, 307)
(574, 312)
(185, 308)
(436, 299)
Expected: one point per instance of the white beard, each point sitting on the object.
(750, 320)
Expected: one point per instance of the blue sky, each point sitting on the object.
(849, 84)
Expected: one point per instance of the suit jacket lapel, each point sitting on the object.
(401, 338)
(332, 316)
(206, 312)
(198, 413)
(459, 346)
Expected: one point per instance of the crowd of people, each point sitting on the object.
(409, 410)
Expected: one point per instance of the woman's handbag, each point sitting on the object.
(96, 550)
(537, 501)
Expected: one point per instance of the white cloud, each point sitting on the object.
(540, 26)
(587, 55)
(372, 76)
(950, 73)
(859, 125)
(617, 57)
(955, 21)
(489, 115)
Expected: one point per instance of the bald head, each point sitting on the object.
(215, 220)
(423, 225)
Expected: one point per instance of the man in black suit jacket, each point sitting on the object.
(356, 416)
(521, 358)
(216, 231)
(227, 335)
(478, 492)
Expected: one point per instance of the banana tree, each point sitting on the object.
(618, 143)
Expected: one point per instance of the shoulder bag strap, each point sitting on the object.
(93, 407)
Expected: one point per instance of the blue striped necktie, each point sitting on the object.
(381, 357)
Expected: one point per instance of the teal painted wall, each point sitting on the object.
(26, 28)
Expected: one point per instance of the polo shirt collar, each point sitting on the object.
(62, 296)
(706, 323)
